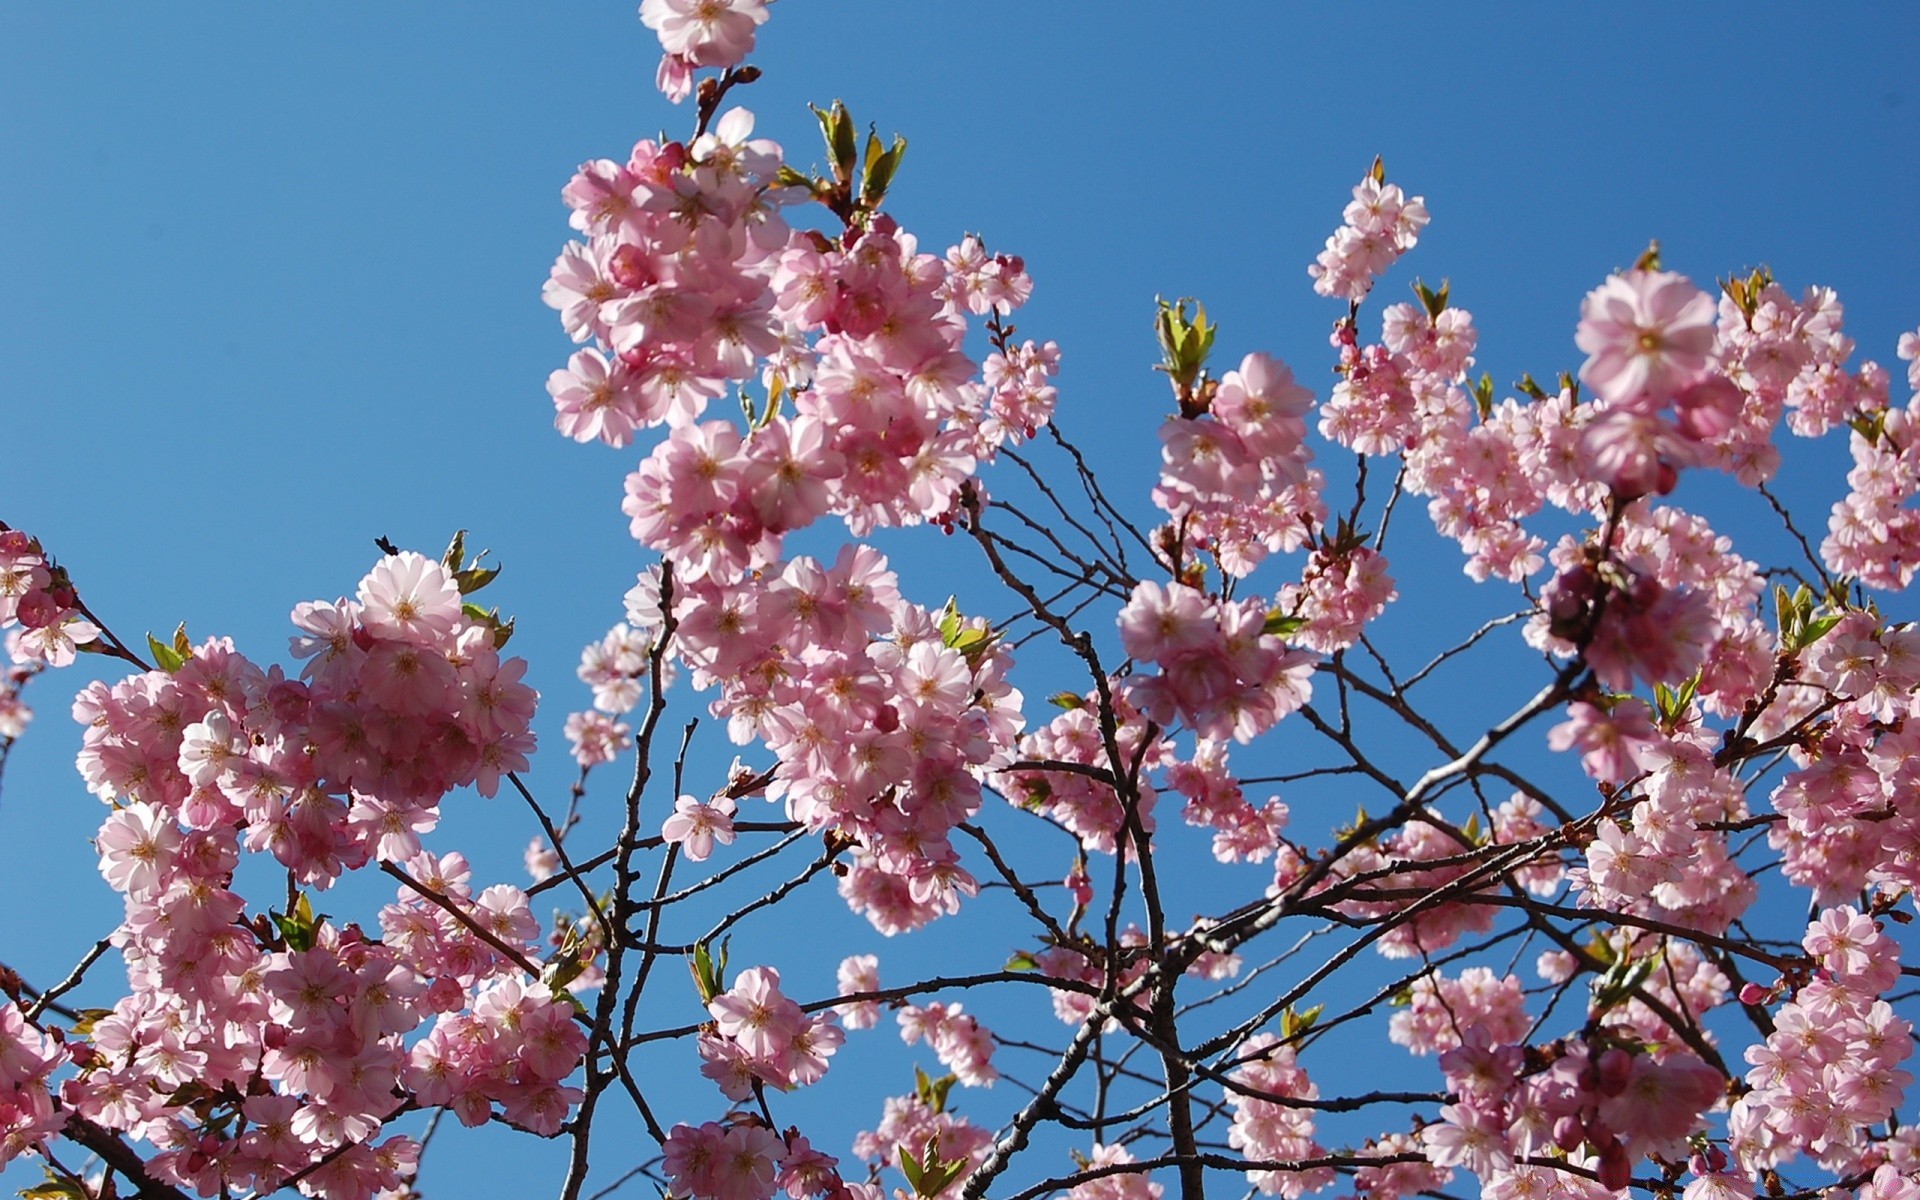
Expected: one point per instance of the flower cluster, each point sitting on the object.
(700, 33)
(882, 714)
(1221, 672)
(1830, 1070)
(760, 1036)
(1236, 480)
(1380, 225)
(38, 604)
(1269, 1130)
(963, 1044)
(249, 1049)
(745, 1160)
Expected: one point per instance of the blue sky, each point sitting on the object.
(269, 275)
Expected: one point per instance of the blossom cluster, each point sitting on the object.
(762, 1037)
(1830, 1070)
(38, 605)
(700, 33)
(254, 1049)
(1379, 225)
(1237, 479)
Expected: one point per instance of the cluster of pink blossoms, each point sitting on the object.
(14, 713)
(1627, 1088)
(402, 699)
(286, 1035)
(28, 1057)
(1243, 832)
(1271, 1131)
(691, 282)
(1873, 533)
(883, 715)
(1830, 1070)
(37, 605)
(761, 1037)
(916, 1127)
(1380, 225)
(1126, 1186)
(745, 1160)
(1088, 807)
(1852, 822)
(889, 418)
(700, 33)
(963, 1045)
(1221, 673)
(1236, 479)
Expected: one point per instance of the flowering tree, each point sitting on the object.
(1644, 918)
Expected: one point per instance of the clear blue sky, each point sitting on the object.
(270, 274)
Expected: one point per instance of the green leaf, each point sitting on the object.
(474, 578)
(880, 170)
(55, 1188)
(164, 656)
(1434, 302)
(299, 926)
(836, 129)
(932, 1092)
(1293, 1024)
(930, 1175)
(706, 978)
(1621, 980)
(89, 1017)
(456, 555)
(911, 1170)
(1184, 342)
(1280, 624)
(1022, 961)
(566, 965)
(1817, 629)
(1600, 948)
(1483, 395)
(1067, 700)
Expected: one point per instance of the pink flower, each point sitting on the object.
(695, 826)
(1647, 334)
(136, 847)
(755, 1014)
(1614, 745)
(410, 597)
(859, 973)
(705, 33)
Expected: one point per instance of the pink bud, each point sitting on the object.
(1616, 1169)
(1568, 1133)
(1754, 994)
(445, 995)
(630, 268)
(38, 610)
(1081, 886)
